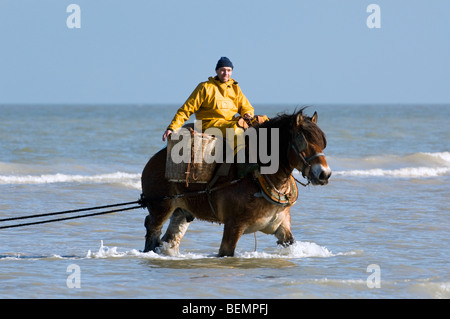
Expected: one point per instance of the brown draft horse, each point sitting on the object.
(236, 205)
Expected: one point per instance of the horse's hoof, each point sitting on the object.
(151, 244)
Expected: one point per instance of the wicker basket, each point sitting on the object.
(188, 162)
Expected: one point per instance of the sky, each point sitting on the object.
(284, 51)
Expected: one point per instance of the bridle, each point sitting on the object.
(299, 144)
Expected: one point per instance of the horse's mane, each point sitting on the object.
(285, 122)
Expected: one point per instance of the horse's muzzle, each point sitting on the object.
(320, 174)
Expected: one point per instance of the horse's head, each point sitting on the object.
(305, 151)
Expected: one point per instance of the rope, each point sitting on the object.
(140, 202)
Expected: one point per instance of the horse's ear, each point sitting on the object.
(299, 120)
(314, 118)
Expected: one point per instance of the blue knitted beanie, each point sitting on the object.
(224, 62)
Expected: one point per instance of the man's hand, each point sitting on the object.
(166, 135)
(248, 116)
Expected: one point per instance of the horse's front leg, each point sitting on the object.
(231, 235)
(283, 232)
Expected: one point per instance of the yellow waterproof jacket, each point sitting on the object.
(215, 104)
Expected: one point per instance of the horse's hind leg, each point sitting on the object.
(153, 224)
(179, 223)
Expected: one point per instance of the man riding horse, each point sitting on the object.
(243, 203)
(216, 102)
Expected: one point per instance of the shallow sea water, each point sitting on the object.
(383, 218)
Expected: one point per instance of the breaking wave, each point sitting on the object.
(408, 172)
(418, 165)
(131, 180)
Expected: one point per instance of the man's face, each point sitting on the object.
(224, 73)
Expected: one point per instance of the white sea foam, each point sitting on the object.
(444, 156)
(112, 252)
(296, 250)
(407, 172)
(117, 177)
(417, 165)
